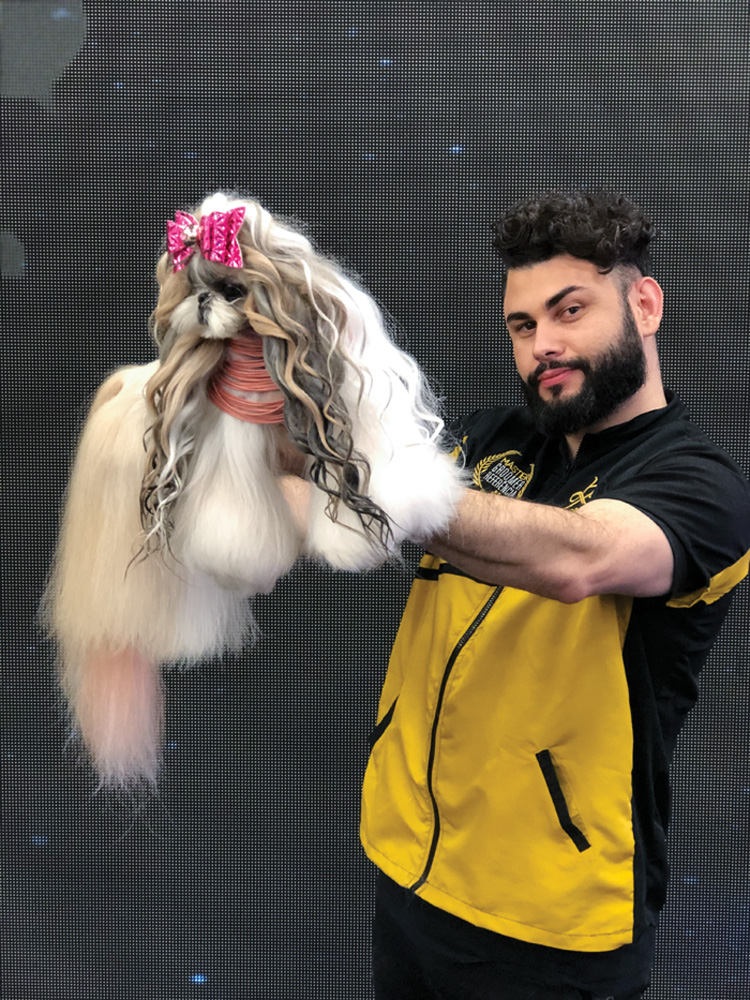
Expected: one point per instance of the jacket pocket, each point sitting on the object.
(547, 765)
(383, 724)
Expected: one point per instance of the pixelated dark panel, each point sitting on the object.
(394, 131)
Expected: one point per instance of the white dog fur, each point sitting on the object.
(222, 528)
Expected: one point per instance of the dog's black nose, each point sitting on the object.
(204, 304)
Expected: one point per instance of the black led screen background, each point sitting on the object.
(395, 132)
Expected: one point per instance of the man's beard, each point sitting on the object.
(607, 383)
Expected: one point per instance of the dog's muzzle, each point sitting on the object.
(204, 307)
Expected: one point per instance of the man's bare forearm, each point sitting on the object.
(606, 547)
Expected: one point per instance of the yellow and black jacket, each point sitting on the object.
(519, 771)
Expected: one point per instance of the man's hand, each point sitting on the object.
(297, 495)
(289, 459)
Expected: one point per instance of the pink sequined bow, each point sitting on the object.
(215, 236)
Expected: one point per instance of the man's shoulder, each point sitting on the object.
(494, 424)
(666, 466)
(677, 441)
(499, 445)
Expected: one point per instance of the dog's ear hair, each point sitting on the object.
(296, 304)
(174, 288)
(176, 397)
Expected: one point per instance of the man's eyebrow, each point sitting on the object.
(559, 296)
(549, 304)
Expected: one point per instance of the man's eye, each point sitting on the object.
(230, 292)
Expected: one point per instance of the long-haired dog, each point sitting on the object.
(174, 513)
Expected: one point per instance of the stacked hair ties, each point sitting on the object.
(244, 372)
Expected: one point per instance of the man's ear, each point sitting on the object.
(647, 302)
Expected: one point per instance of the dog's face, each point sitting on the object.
(214, 304)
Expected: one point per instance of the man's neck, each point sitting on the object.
(649, 397)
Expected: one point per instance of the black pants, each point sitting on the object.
(421, 953)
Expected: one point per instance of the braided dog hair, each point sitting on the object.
(175, 514)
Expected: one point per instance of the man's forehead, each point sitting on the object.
(536, 283)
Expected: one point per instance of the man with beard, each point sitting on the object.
(517, 794)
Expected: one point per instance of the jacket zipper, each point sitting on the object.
(436, 721)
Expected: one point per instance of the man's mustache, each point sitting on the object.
(574, 364)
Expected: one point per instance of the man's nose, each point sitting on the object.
(548, 342)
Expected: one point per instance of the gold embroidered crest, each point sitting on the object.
(501, 474)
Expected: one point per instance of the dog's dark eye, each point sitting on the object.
(229, 291)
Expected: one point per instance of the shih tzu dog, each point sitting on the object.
(268, 355)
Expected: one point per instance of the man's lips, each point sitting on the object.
(555, 376)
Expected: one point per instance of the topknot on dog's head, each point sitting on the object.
(260, 231)
(218, 202)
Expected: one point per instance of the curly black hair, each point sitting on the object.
(605, 228)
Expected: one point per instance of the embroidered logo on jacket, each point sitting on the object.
(501, 474)
(583, 496)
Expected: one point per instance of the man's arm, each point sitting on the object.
(605, 547)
